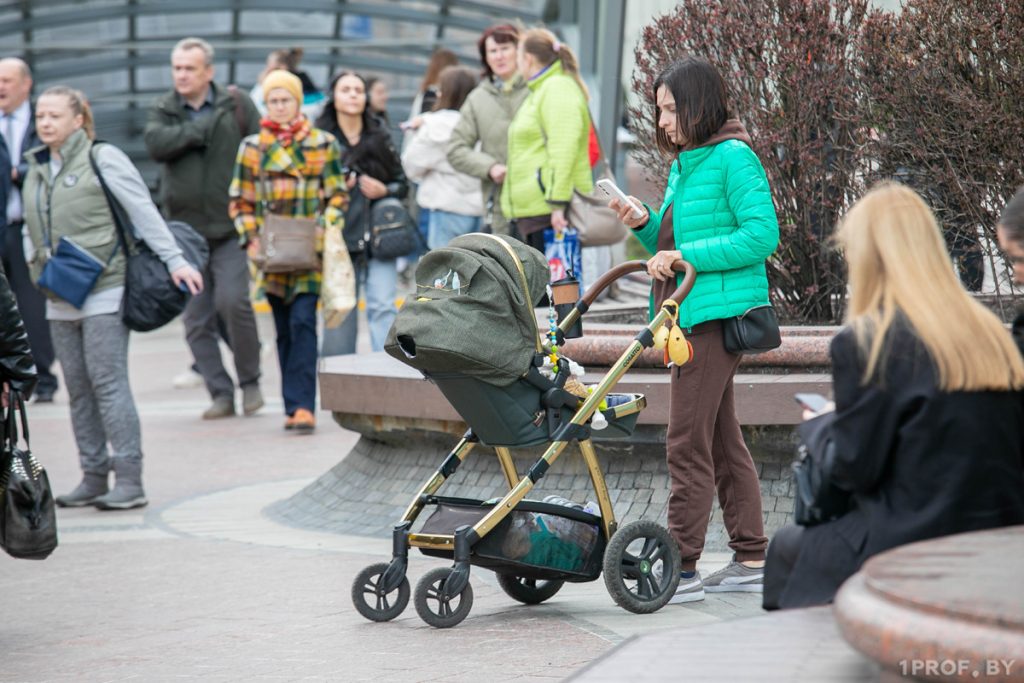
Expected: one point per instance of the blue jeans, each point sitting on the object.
(378, 282)
(446, 226)
(296, 350)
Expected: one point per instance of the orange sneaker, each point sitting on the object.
(302, 421)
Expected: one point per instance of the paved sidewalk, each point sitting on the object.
(202, 585)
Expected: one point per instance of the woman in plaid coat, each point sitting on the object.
(302, 166)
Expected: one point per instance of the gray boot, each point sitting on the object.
(91, 487)
(127, 492)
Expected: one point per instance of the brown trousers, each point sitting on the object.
(706, 451)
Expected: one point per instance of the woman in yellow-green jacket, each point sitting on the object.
(547, 139)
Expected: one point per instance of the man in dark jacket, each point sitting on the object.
(18, 134)
(194, 132)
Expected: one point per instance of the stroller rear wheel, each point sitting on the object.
(432, 605)
(528, 591)
(370, 599)
(641, 567)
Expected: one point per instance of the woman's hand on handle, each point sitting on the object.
(190, 277)
(625, 212)
(660, 265)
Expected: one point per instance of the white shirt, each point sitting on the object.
(20, 118)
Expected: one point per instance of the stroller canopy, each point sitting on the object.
(472, 313)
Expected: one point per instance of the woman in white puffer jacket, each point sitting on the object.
(453, 199)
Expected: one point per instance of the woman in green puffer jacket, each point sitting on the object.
(718, 215)
(547, 139)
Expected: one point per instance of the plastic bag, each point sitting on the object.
(564, 254)
(338, 285)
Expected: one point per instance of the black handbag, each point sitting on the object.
(816, 498)
(28, 517)
(756, 331)
(151, 299)
(392, 233)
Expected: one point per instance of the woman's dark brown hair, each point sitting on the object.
(502, 34)
(441, 58)
(702, 102)
(1012, 220)
(455, 83)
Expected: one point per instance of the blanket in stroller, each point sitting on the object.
(473, 312)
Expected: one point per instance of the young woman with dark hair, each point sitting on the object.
(375, 172)
(479, 143)
(717, 213)
(1010, 232)
(453, 199)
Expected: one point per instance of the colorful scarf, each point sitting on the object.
(288, 133)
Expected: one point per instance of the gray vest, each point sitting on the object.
(76, 206)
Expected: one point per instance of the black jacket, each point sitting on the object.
(16, 366)
(1018, 331)
(920, 463)
(375, 155)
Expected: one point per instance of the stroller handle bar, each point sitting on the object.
(679, 266)
(588, 298)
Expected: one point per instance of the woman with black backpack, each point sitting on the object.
(374, 173)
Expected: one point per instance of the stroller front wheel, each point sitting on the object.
(370, 599)
(641, 567)
(434, 607)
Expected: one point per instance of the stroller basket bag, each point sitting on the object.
(473, 310)
(536, 541)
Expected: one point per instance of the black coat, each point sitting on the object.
(920, 463)
(16, 366)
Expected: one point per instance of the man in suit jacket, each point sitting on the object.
(18, 130)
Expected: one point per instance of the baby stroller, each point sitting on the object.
(472, 331)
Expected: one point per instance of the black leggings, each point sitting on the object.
(783, 552)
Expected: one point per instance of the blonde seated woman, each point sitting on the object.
(928, 422)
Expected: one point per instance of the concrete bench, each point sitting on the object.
(948, 609)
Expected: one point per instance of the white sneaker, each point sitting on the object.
(736, 578)
(188, 380)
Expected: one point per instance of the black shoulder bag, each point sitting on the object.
(756, 331)
(28, 517)
(151, 299)
(817, 499)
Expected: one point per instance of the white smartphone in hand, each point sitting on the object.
(611, 190)
(813, 402)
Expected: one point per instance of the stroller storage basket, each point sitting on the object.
(535, 541)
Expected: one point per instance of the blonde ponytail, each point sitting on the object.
(545, 47)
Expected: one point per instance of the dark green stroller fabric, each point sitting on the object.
(470, 314)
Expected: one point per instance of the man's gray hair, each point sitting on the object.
(193, 44)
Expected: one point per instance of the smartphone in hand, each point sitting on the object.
(612, 191)
(813, 402)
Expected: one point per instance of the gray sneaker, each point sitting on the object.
(252, 399)
(689, 590)
(736, 578)
(223, 406)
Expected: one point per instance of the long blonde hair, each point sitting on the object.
(898, 263)
(546, 48)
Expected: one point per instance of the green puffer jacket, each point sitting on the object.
(547, 147)
(724, 224)
(484, 119)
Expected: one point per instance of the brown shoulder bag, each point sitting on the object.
(287, 243)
